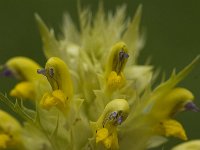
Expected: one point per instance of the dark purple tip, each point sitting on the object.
(6, 72)
(123, 55)
(120, 120)
(126, 55)
(41, 71)
(192, 107)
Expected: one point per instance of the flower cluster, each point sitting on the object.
(92, 94)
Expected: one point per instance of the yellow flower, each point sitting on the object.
(115, 81)
(176, 100)
(117, 92)
(24, 69)
(105, 129)
(114, 68)
(10, 131)
(23, 90)
(108, 138)
(56, 98)
(4, 139)
(59, 78)
(153, 114)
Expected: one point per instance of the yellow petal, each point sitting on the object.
(108, 142)
(59, 95)
(111, 142)
(24, 68)
(24, 90)
(54, 99)
(9, 124)
(191, 145)
(10, 130)
(115, 81)
(48, 101)
(62, 102)
(172, 128)
(4, 139)
(115, 143)
(101, 134)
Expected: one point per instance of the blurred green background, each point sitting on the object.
(172, 27)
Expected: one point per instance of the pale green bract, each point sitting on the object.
(92, 94)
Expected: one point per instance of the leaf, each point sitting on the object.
(16, 108)
(132, 36)
(50, 44)
(175, 79)
(166, 86)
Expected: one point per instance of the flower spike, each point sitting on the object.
(110, 88)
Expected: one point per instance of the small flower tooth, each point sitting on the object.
(41, 71)
(6, 72)
(123, 55)
(191, 106)
(126, 55)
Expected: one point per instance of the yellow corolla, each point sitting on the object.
(10, 132)
(177, 100)
(57, 73)
(24, 69)
(105, 129)
(114, 68)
